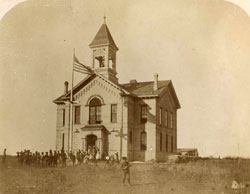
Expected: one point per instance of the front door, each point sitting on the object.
(91, 141)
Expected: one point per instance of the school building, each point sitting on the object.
(136, 119)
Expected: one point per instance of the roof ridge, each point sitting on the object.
(145, 82)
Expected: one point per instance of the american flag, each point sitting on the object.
(79, 67)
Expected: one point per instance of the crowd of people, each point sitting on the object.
(61, 158)
(53, 159)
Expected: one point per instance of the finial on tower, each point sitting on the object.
(104, 17)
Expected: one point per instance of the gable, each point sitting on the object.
(169, 91)
(97, 88)
(87, 83)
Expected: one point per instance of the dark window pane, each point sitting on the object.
(63, 141)
(95, 102)
(160, 116)
(166, 143)
(95, 111)
(144, 114)
(166, 118)
(113, 113)
(63, 119)
(77, 114)
(171, 120)
(161, 142)
(172, 144)
(143, 140)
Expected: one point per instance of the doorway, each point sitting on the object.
(91, 141)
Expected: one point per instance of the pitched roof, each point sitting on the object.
(136, 89)
(147, 88)
(103, 37)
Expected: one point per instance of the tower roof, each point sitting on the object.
(103, 38)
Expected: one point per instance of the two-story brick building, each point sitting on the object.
(137, 119)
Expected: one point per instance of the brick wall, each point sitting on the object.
(167, 105)
(131, 122)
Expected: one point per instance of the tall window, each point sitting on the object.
(143, 140)
(171, 120)
(166, 118)
(77, 114)
(63, 141)
(160, 116)
(166, 143)
(172, 144)
(130, 137)
(63, 117)
(160, 141)
(113, 113)
(144, 114)
(95, 111)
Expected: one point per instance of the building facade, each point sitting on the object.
(137, 119)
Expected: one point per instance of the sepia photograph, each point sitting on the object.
(124, 97)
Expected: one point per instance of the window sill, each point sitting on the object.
(96, 123)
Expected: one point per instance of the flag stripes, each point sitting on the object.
(79, 67)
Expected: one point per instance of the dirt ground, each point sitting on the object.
(200, 177)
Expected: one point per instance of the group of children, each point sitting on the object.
(43, 159)
(52, 159)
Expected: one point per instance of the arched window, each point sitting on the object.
(95, 111)
(143, 140)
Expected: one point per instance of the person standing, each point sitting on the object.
(98, 155)
(117, 157)
(4, 155)
(125, 169)
(72, 157)
(64, 158)
(55, 159)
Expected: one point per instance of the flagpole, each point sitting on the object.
(121, 131)
(71, 105)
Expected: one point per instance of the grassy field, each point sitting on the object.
(200, 177)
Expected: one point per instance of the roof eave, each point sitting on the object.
(149, 96)
(178, 106)
(66, 96)
(60, 101)
(128, 94)
(92, 45)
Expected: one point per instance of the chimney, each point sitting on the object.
(66, 85)
(133, 81)
(156, 81)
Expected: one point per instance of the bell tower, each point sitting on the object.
(104, 53)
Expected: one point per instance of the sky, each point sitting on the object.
(203, 46)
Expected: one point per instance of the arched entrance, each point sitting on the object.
(91, 141)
